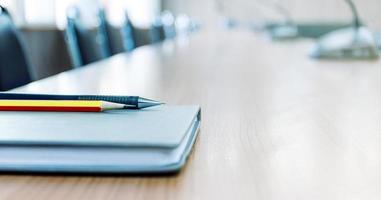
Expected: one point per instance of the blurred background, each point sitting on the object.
(42, 23)
(257, 10)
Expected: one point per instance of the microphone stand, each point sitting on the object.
(356, 18)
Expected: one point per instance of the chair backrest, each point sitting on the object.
(128, 32)
(157, 32)
(14, 65)
(168, 21)
(85, 45)
(104, 33)
(119, 39)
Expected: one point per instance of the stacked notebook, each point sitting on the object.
(152, 140)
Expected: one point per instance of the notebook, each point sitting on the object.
(152, 140)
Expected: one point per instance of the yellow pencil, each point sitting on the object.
(58, 105)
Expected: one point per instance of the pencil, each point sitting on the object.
(133, 102)
(58, 105)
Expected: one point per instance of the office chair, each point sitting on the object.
(14, 66)
(163, 27)
(84, 45)
(118, 39)
(157, 32)
(168, 21)
(128, 32)
(105, 33)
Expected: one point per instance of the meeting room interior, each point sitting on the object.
(190, 99)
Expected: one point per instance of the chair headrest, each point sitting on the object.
(3, 10)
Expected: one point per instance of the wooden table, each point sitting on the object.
(276, 124)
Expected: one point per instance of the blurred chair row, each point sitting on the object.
(85, 45)
(84, 48)
(14, 65)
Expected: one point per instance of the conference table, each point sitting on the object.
(276, 124)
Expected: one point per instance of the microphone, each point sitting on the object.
(284, 12)
(356, 42)
(356, 18)
(284, 30)
(226, 22)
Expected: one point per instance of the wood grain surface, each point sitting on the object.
(276, 124)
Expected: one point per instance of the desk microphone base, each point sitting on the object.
(347, 43)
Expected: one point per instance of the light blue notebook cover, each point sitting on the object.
(152, 140)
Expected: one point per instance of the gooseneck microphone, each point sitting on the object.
(284, 12)
(354, 42)
(287, 29)
(356, 18)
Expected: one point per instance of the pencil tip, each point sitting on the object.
(145, 103)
